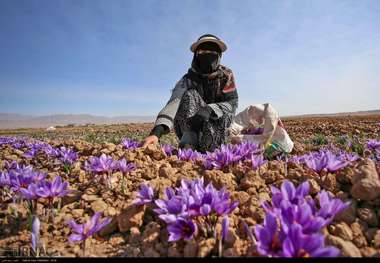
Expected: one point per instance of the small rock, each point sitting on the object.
(116, 240)
(82, 176)
(349, 214)
(130, 217)
(151, 234)
(66, 230)
(77, 249)
(370, 234)
(245, 183)
(111, 211)
(136, 252)
(109, 229)
(18, 152)
(241, 196)
(151, 253)
(342, 195)
(368, 251)
(366, 182)
(71, 197)
(230, 252)
(330, 183)
(264, 196)
(77, 213)
(99, 206)
(347, 248)
(90, 198)
(190, 249)
(376, 240)
(219, 179)
(345, 176)
(314, 187)
(205, 247)
(134, 236)
(231, 238)
(368, 215)
(77, 167)
(110, 146)
(343, 230)
(155, 152)
(173, 250)
(358, 237)
(166, 171)
(161, 248)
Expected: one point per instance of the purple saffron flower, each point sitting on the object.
(67, 156)
(223, 206)
(208, 162)
(253, 131)
(269, 238)
(297, 244)
(287, 194)
(334, 163)
(316, 163)
(350, 157)
(11, 166)
(51, 151)
(297, 222)
(246, 149)
(330, 207)
(188, 155)
(102, 164)
(125, 167)
(182, 228)
(18, 169)
(225, 225)
(30, 154)
(221, 158)
(22, 176)
(5, 180)
(324, 160)
(257, 161)
(192, 199)
(19, 181)
(145, 195)
(167, 149)
(35, 233)
(373, 144)
(30, 193)
(84, 231)
(170, 210)
(130, 144)
(53, 189)
(303, 215)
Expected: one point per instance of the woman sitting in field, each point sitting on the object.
(203, 103)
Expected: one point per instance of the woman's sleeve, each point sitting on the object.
(167, 113)
(230, 99)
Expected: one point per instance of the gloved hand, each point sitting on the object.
(159, 130)
(203, 115)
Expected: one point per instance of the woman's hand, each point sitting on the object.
(152, 139)
(235, 139)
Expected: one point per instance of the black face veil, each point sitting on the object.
(208, 62)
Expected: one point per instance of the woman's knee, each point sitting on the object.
(193, 95)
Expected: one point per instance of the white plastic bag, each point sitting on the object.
(265, 126)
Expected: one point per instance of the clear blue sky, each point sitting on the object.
(123, 57)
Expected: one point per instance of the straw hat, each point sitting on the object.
(208, 38)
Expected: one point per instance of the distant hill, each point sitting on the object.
(14, 121)
(355, 113)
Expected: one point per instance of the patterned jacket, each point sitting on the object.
(223, 100)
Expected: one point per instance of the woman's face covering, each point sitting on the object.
(207, 56)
